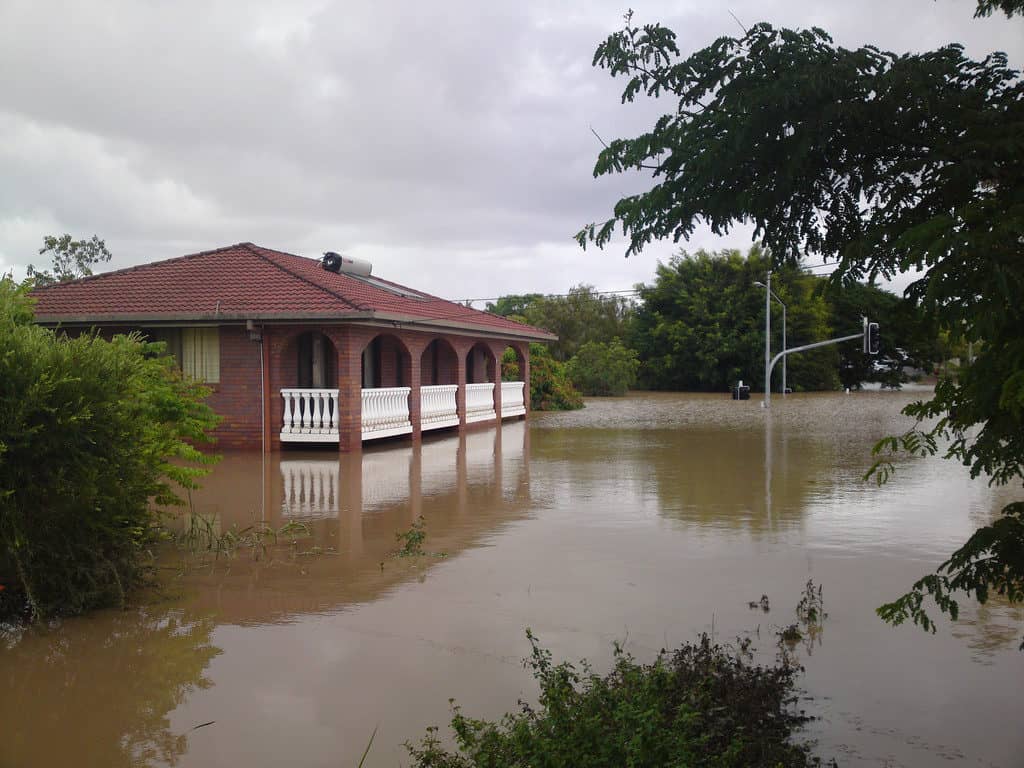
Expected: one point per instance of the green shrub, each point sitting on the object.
(550, 388)
(603, 369)
(93, 433)
(510, 366)
(700, 706)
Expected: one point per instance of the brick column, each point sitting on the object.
(524, 373)
(415, 347)
(460, 379)
(349, 344)
(497, 349)
(278, 346)
(266, 428)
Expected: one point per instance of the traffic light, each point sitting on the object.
(873, 339)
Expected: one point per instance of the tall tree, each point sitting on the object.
(513, 304)
(583, 315)
(71, 258)
(884, 163)
(700, 326)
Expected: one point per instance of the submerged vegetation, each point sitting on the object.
(92, 433)
(200, 536)
(701, 705)
(412, 540)
(704, 704)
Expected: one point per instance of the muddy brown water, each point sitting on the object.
(646, 520)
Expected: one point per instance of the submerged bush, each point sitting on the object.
(91, 432)
(702, 705)
(550, 388)
(603, 369)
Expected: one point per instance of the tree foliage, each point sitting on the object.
(883, 163)
(581, 316)
(91, 432)
(907, 336)
(700, 326)
(513, 304)
(550, 387)
(603, 369)
(71, 258)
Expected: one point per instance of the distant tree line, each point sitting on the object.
(699, 326)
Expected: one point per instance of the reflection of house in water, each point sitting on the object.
(465, 486)
(313, 487)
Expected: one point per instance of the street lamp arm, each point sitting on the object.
(805, 347)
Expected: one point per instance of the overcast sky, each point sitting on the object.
(449, 143)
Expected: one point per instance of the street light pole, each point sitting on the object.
(783, 343)
(768, 341)
(767, 326)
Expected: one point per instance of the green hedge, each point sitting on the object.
(603, 369)
(92, 434)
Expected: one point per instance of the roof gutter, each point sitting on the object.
(370, 318)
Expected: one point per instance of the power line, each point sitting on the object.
(622, 292)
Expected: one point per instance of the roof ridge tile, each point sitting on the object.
(255, 250)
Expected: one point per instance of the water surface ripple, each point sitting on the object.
(646, 520)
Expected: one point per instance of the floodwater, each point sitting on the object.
(645, 520)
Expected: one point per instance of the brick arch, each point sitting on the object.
(293, 355)
(385, 361)
(481, 364)
(439, 363)
(513, 366)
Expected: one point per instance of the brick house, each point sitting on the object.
(299, 350)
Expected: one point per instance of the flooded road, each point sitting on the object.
(646, 520)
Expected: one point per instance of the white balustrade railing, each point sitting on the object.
(386, 412)
(310, 415)
(512, 402)
(479, 402)
(437, 407)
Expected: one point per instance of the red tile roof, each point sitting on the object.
(245, 281)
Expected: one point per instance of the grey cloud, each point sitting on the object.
(457, 131)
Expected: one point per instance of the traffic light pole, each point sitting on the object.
(768, 368)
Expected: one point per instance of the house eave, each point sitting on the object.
(381, 319)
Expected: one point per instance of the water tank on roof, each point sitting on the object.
(336, 262)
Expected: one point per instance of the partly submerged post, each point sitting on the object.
(768, 341)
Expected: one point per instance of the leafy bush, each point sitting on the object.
(510, 366)
(700, 706)
(91, 432)
(550, 388)
(603, 369)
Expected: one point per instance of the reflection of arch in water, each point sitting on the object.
(513, 457)
(480, 457)
(385, 477)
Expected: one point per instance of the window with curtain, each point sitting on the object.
(200, 354)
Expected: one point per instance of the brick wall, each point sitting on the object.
(236, 399)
